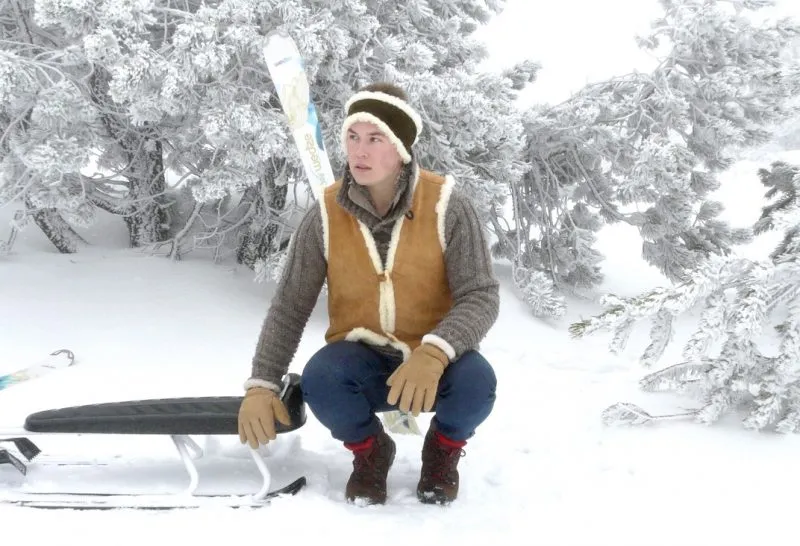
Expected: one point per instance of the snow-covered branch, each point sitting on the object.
(744, 353)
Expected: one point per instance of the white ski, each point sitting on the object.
(65, 358)
(165, 501)
(286, 67)
(287, 70)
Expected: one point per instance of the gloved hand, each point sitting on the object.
(416, 380)
(257, 413)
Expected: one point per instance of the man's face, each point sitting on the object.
(372, 157)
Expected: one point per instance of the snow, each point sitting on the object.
(542, 468)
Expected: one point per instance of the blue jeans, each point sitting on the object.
(344, 385)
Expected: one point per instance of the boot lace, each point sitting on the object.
(367, 462)
(444, 461)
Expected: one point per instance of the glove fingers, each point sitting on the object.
(267, 424)
(395, 391)
(242, 433)
(252, 437)
(407, 396)
(281, 414)
(419, 398)
(258, 429)
(430, 398)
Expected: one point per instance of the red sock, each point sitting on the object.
(444, 440)
(360, 446)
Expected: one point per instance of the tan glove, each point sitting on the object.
(416, 380)
(257, 413)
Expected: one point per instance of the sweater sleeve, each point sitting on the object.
(291, 306)
(474, 287)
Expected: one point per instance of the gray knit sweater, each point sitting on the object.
(473, 285)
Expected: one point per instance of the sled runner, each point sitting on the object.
(177, 417)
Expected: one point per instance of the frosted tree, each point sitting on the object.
(744, 354)
(551, 241)
(48, 129)
(147, 104)
(200, 147)
(646, 149)
(47, 39)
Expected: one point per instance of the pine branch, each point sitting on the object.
(675, 377)
(709, 329)
(625, 413)
(622, 334)
(661, 335)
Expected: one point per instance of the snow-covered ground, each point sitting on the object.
(541, 470)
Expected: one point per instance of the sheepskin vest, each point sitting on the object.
(398, 302)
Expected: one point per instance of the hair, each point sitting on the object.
(388, 88)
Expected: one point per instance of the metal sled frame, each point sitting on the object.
(188, 451)
(178, 418)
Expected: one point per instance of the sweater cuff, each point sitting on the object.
(439, 342)
(255, 382)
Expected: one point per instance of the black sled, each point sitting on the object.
(178, 418)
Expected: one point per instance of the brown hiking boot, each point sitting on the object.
(438, 482)
(372, 459)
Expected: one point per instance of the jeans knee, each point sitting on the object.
(473, 376)
(320, 372)
(335, 366)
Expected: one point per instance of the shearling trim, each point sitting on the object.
(255, 382)
(390, 99)
(394, 242)
(441, 208)
(368, 336)
(372, 248)
(441, 343)
(388, 304)
(387, 310)
(323, 211)
(363, 334)
(385, 129)
(413, 180)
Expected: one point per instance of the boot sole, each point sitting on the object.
(433, 497)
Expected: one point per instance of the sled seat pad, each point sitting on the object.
(198, 415)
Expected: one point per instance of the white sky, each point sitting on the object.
(576, 41)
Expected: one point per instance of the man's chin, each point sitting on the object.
(361, 179)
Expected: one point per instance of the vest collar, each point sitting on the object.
(355, 199)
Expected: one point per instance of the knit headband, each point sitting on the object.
(392, 115)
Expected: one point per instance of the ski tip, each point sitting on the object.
(280, 44)
(401, 422)
(70, 355)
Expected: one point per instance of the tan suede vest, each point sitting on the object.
(402, 302)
